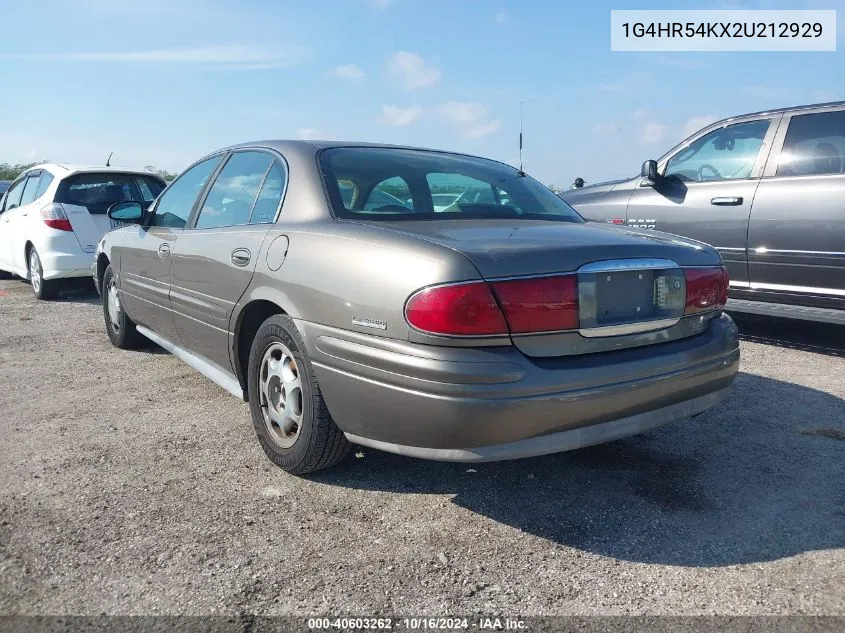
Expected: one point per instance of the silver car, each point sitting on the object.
(491, 330)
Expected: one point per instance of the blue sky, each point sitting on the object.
(164, 81)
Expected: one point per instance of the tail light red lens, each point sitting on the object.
(542, 304)
(707, 289)
(458, 310)
(54, 216)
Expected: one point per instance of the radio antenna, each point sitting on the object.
(521, 108)
(108, 160)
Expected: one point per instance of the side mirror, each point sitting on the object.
(649, 172)
(126, 212)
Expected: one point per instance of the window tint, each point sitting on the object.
(814, 144)
(391, 192)
(728, 153)
(270, 196)
(97, 191)
(13, 195)
(426, 185)
(29, 189)
(176, 203)
(43, 184)
(230, 199)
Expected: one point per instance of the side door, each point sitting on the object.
(144, 256)
(706, 189)
(214, 259)
(8, 240)
(796, 236)
(26, 219)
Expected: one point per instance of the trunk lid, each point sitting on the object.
(631, 286)
(87, 227)
(504, 248)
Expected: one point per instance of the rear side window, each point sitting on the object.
(30, 189)
(230, 200)
(814, 144)
(98, 191)
(270, 196)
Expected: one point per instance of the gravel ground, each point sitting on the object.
(129, 484)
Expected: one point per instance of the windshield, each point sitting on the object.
(404, 184)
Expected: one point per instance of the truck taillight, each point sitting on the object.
(55, 217)
(707, 289)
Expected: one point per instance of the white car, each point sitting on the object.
(52, 217)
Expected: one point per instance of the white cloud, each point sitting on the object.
(471, 118)
(381, 4)
(309, 133)
(696, 123)
(501, 17)
(462, 111)
(652, 132)
(395, 116)
(483, 129)
(638, 115)
(348, 71)
(608, 128)
(236, 55)
(412, 71)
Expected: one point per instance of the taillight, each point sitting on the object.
(541, 304)
(460, 310)
(54, 216)
(707, 289)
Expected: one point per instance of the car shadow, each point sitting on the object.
(758, 478)
(808, 336)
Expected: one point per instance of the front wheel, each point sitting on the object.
(41, 288)
(288, 412)
(119, 327)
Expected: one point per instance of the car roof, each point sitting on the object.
(811, 106)
(303, 147)
(66, 169)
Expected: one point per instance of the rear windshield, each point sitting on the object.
(403, 184)
(98, 192)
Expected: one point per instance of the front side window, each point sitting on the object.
(814, 144)
(176, 203)
(728, 153)
(230, 200)
(407, 184)
(13, 195)
(97, 191)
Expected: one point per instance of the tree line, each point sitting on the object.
(9, 171)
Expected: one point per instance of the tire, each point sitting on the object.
(120, 329)
(42, 289)
(313, 441)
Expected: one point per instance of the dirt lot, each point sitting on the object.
(131, 485)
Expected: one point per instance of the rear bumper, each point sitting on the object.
(470, 404)
(65, 265)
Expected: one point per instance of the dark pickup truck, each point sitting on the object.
(767, 190)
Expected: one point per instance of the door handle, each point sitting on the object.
(240, 257)
(164, 251)
(728, 201)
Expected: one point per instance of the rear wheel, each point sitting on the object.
(119, 327)
(288, 411)
(41, 288)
